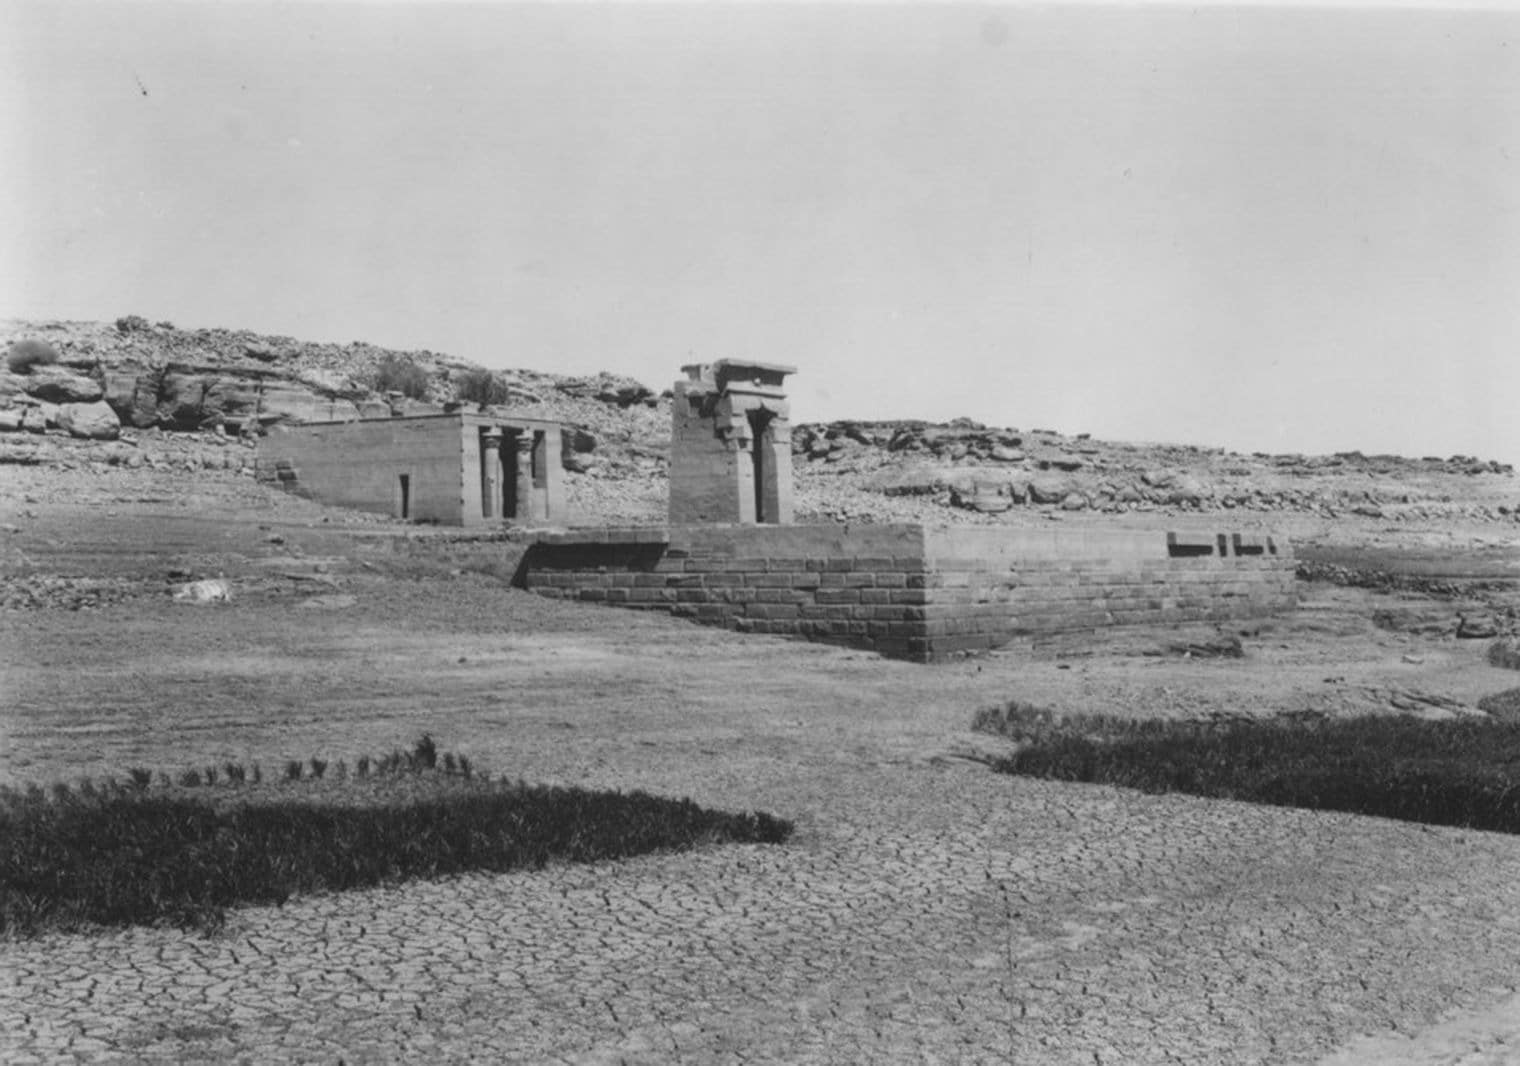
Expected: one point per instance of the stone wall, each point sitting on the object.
(361, 464)
(912, 592)
(990, 585)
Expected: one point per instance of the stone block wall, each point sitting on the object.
(906, 591)
(989, 586)
(361, 465)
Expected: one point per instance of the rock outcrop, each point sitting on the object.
(968, 467)
(148, 377)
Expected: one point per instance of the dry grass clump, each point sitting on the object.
(1505, 653)
(399, 373)
(133, 854)
(481, 386)
(29, 353)
(1464, 772)
(1505, 706)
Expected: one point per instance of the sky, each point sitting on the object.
(1265, 229)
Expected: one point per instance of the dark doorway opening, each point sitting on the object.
(759, 423)
(509, 474)
(406, 496)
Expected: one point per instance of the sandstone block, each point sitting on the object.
(57, 385)
(92, 421)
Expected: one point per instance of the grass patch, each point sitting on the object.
(125, 855)
(1504, 706)
(1505, 653)
(1463, 772)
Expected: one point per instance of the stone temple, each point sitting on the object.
(731, 556)
(455, 468)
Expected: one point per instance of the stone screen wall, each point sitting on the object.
(912, 592)
(362, 464)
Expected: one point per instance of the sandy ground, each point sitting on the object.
(343, 638)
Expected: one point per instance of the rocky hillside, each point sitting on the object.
(129, 394)
(991, 472)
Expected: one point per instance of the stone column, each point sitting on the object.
(524, 442)
(490, 473)
(777, 489)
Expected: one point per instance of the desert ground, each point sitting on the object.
(927, 909)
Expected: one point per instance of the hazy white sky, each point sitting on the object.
(1264, 229)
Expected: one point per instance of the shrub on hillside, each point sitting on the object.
(398, 373)
(482, 387)
(1505, 706)
(132, 324)
(1505, 653)
(25, 354)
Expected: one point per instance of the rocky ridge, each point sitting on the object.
(133, 394)
(990, 472)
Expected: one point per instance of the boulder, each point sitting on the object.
(1074, 501)
(1184, 491)
(1477, 627)
(35, 419)
(92, 421)
(321, 380)
(181, 399)
(909, 481)
(287, 403)
(58, 385)
(132, 394)
(1050, 489)
(577, 440)
(1002, 453)
(10, 419)
(203, 592)
(12, 387)
(986, 497)
(230, 401)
